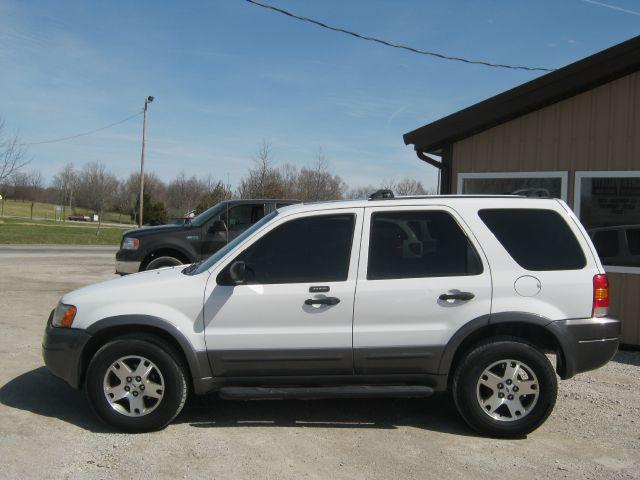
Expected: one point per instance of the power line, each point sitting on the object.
(397, 45)
(91, 132)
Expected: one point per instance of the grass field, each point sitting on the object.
(19, 208)
(21, 231)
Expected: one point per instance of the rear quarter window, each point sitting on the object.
(537, 239)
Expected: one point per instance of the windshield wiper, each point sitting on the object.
(188, 270)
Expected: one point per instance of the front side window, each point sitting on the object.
(306, 250)
(416, 244)
(242, 216)
(537, 239)
(610, 202)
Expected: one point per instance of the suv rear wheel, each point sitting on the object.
(136, 383)
(505, 388)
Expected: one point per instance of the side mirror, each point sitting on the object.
(237, 272)
(218, 226)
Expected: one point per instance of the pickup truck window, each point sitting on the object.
(241, 216)
(213, 259)
(201, 218)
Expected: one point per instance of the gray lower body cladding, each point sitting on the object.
(587, 343)
(320, 361)
(62, 352)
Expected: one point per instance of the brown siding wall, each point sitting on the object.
(625, 304)
(596, 130)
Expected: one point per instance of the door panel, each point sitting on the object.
(416, 255)
(265, 327)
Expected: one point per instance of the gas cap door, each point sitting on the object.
(527, 286)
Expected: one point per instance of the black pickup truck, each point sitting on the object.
(148, 248)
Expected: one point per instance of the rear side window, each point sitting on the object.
(416, 244)
(538, 240)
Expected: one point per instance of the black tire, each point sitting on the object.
(162, 262)
(167, 362)
(466, 391)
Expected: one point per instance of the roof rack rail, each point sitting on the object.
(383, 194)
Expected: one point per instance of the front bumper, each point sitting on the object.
(128, 261)
(587, 343)
(62, 352)
(123, 267)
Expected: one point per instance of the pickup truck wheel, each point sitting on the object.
(505, 388)
(135, 384)
(161, 262)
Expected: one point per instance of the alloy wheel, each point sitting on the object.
(133, 386)
(508, 390)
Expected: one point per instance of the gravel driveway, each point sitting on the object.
(47, 430)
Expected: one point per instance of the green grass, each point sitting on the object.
(20, 231)
(20, 208)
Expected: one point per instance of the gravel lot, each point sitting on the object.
(47, 429)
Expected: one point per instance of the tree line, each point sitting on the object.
(99, 190)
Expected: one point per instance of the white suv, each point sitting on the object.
(389, 297)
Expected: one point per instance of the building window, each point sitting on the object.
(608, 205)
(529, 184)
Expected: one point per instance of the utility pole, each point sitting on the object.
(148, 100)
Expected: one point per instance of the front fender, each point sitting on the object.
(196, 359)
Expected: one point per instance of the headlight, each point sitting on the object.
(129, 243)
(64, 315)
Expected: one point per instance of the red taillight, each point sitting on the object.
(600, 296)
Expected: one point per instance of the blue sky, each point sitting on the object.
(227, 75)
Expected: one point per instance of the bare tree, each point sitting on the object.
(65, 183)
(264, 159)
(361, 193)
(289, 175)
(317, 183)
(153, 186)
(184, 194)
(122, 200)
(12, 154)
(216, 192)
(26, 185)
(263, 180)
(97, 187)
(406, 186)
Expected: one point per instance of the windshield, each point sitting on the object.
(213, 259)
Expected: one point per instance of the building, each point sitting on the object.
(572, 134)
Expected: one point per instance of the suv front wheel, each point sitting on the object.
(505, 388)
(136, 383)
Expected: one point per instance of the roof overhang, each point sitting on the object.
(578, 77)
